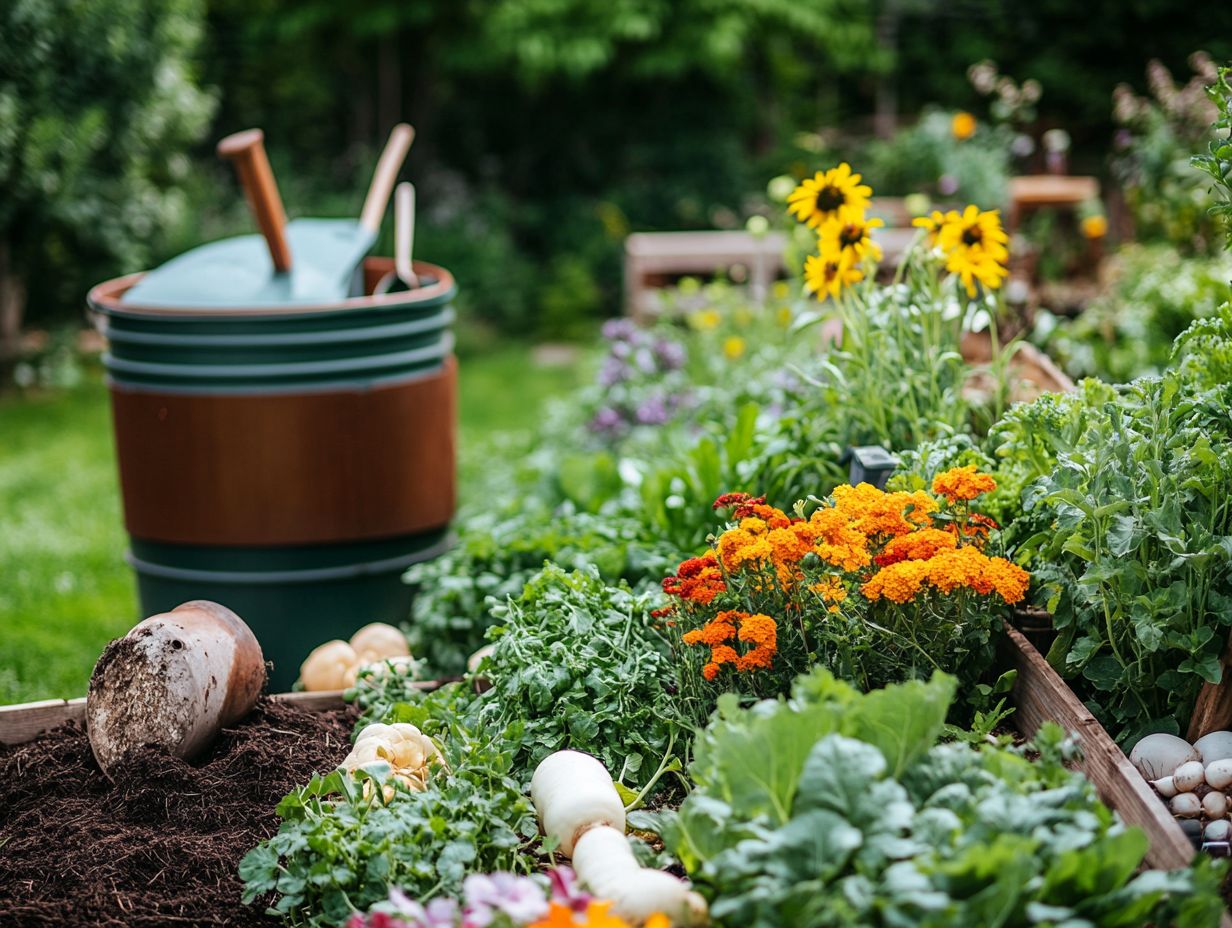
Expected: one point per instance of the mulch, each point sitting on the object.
(161, 845)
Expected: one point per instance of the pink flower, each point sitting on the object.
(565, 889)
(519, 897)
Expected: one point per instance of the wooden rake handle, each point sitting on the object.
(247, 151)
(383, 178)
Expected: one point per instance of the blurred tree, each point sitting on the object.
(97, 104)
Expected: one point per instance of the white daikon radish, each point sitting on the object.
(605, 865)
(1215, 804)
(330, 666)
(1189, 776)
(378, 641)
(1219, 774)
(1165, 787)
(573, 792)
(1186, 805)
(173, 681)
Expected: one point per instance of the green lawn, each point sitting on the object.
(65, 590)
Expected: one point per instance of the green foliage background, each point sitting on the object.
(548, 129)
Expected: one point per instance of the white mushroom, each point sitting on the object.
(1219, 774)
(1158, 755)
(1165, 787)
(1189, 776)
(1186, 805)
(1215, 804)
(1215, 746)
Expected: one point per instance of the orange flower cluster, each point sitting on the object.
(892, 546)
(946, 570)
(760, 632)
(697, 580)
(962, 484)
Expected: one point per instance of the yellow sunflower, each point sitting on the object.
(850, 237)
(827, 276)
(933, 223)
(975, 264)
(975, 228)
(833, 194)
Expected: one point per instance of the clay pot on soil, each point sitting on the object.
(173, 682)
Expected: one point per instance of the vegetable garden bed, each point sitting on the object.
(163, 848)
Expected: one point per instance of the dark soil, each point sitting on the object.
(160, 846)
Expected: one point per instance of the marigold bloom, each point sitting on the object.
(561, 915)
(963, 483)
(713, 633)
(697, 579)
(962, 126)
(833, 194)
(727, 500)
(917, 546)
(1094, 227)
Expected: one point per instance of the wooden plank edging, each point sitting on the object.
(1040, 695)
(26, 721)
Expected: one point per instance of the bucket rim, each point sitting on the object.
(106, 298)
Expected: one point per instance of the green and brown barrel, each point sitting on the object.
(289, 462)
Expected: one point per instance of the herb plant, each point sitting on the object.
(578, 664)
(1136, 562)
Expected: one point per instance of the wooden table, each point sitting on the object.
(1048, 191)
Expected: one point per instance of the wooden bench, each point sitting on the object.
(654, 259)
(1048, 191)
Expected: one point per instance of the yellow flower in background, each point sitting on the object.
(705, 320)
(781, 290)
(825, 276)
(784, 316)
(975, 246)
(933, 223)
(962, 125)
(973, 265)
(833, 194)
(852, 237)
(975, 228)
(733, 347)
(1094, 226)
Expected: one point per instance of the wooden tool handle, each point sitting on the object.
(383, 178)
(247, 151)
(404, 233)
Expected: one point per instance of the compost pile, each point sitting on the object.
(161, 846)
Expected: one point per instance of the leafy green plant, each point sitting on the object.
(577, 663)
(337, 851)
(497, 553)
(1155, 292)
(1136, 559)
(1217, 162)
(1159, 134)
(838, 808)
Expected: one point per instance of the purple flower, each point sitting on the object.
(486, 896)
(645, 361)
(670, 354)
(619, 330)
(1123, 139)
(607, 421)
(947, 185)
(565, 890)
(439, 913)
(612, 372)
(620, 350)
(652, 412)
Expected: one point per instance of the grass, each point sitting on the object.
(65, 590)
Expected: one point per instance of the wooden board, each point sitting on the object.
(26, 721)
(1040, 695)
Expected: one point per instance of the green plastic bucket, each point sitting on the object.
(167, 366)
(292, 598)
